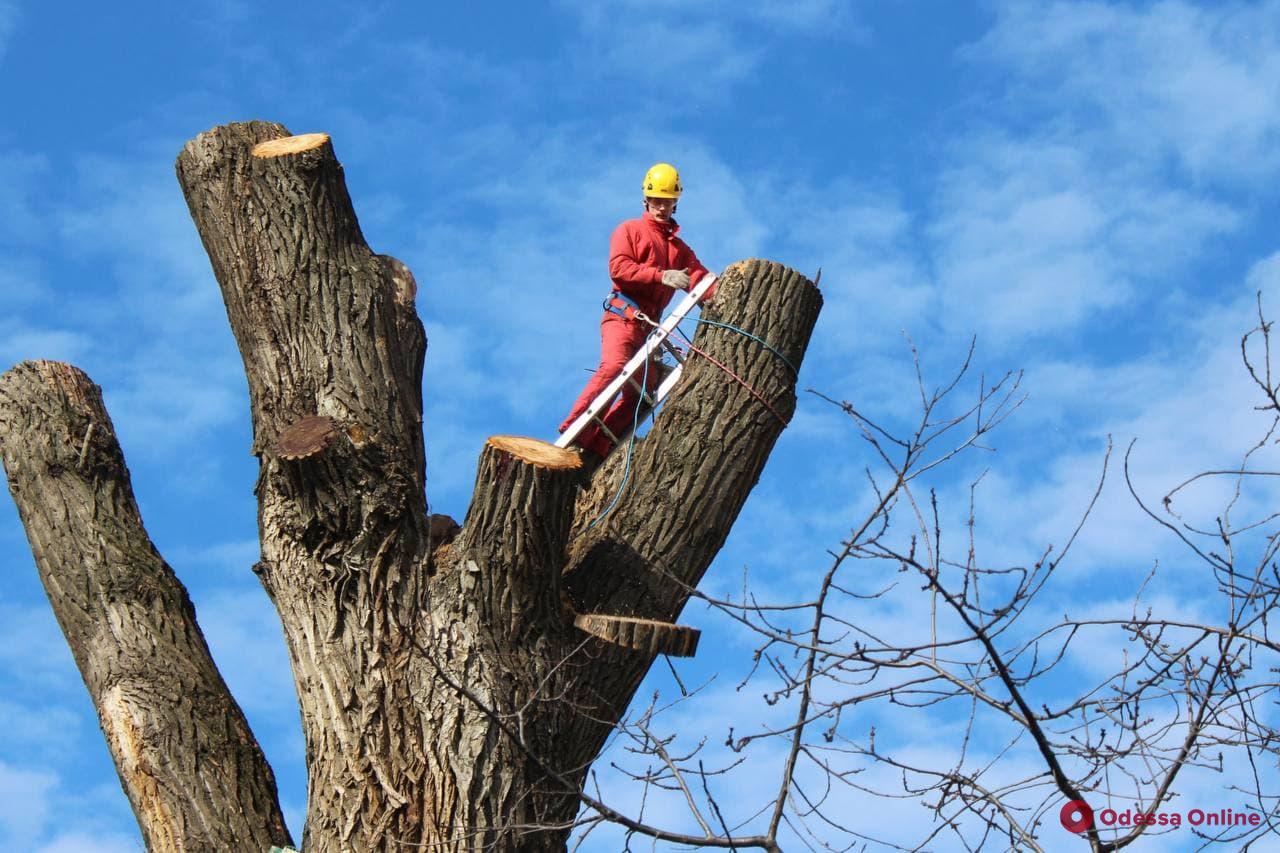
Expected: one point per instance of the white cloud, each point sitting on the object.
(813, 17)
(1034, 238)
(704, 46)
(84, 842)
(33, 649)
(692, 51)
(22, 284)
(221, 560)
(48, 730)
(864, 241)
(157, 340)
(1199, 82)
(244, 635)
(22, 343)
(36, 807)
(20, 217)
(170, 370)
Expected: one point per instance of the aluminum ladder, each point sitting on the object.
(656, 340)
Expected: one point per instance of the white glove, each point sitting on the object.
(678, 279)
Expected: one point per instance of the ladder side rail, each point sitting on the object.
(659, 395)
(652, 343)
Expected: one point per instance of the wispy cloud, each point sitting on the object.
(19, 342)
(33, 649)
(1190, 407)
(50, 731)
(704, 46)
(245, 638)
(24, 805)
(1034, 237)
(80, 842)
(20, 218)
(157, 340)
(35, 806)
(1201, 83)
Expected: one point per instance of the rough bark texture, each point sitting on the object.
(645, 635)
(689, 476)
(191, 768)
(328, 329)
(498, 658)
(447, 697)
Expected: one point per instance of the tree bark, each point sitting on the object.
(447, 697)
(690, 476)
(191, 768)
(328, 329)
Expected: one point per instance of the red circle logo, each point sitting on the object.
(1076, 816)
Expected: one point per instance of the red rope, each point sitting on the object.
(740, 380)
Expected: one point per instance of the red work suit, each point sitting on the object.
(640, 250)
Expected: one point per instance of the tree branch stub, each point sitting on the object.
(644, 635)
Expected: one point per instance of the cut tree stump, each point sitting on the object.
(306, 438)
(644, 635)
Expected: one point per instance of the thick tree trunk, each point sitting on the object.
(689, 478)
(498, 657)
(327, 329)
(447, 698)
(191, 768)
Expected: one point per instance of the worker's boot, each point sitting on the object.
(590, 462)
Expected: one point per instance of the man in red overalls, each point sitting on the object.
(647, 263)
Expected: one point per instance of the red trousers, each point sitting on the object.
(619, 340)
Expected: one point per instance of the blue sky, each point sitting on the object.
(1084, 186)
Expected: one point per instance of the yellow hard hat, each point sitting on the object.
(662, 181)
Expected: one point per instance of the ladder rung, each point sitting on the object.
(653, 341)
(644, 395)
(604, 429)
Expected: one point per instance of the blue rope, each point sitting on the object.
(631, 444)
(770, 347)
(644, 383)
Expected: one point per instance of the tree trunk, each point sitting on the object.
(447, 698)
(191, 768)
(328, 329)
(689, 477)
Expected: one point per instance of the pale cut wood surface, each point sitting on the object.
(536, 451)
(289, 145)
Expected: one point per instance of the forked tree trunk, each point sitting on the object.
(447, 698)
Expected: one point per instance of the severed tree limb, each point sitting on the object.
(190, 766)
(333, 352)
(499, 628)
(647, 635)
(690, 476)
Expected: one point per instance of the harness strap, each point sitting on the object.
(622, 305)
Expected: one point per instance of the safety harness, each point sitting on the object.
(624, 306)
